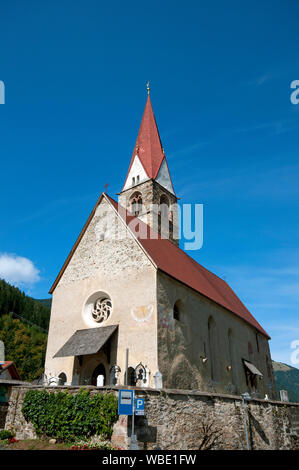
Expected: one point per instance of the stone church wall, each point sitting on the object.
(186, 349)
(174, 420)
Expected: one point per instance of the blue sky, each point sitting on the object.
(220, 72)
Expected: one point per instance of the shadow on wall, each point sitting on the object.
(253, 423)
(182, 374)
(145, 433)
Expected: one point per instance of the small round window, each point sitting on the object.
(101, 309)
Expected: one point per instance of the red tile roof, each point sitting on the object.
(170, 259)
(12, 369)
(148, 145)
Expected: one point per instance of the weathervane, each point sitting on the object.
(148, 88)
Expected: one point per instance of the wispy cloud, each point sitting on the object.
(188, 150)
(258, 81)
(18, 270)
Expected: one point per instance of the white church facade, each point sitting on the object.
(127, 295)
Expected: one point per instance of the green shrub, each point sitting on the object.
(6, 434)
(67, 416)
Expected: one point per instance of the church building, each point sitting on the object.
(131, 307)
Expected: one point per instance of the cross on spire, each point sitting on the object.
(106, 186)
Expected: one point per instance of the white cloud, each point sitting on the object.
(18, 270)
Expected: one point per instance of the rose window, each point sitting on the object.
(101, 310)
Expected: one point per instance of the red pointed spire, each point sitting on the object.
(148, 144)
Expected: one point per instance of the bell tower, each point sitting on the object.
(148, 191)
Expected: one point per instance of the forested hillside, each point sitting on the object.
(23, 329)
(287, 378)
(25, 345)
(46, 302)
(12, 300)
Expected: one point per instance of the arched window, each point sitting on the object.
(164, 206)
(250, 351)
(232, 359)
(257, 342)
(136, 203)
(269, 368)
(213, 346)
(176, 310)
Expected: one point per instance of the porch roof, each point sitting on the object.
(87, 341)
(252, 369)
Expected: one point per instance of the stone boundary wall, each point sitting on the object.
(3, 413)
(180, 419)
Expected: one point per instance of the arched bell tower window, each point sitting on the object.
(136, 203)
(164, 206)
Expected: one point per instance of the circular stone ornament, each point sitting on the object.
(101, 310)
(97, 309)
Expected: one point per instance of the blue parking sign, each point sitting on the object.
(125, 402)
(139, 407)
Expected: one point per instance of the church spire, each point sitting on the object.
(148, 183)
(148, 154)
(148, 145)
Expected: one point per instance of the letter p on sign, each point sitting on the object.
(139, 407)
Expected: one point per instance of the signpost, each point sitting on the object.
(128, 405)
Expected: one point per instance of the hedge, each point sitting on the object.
(67, 416)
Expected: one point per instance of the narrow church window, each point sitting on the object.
(250, 351)
(213, 348)
(232, 358)
(176, 312)
(164, 206)
(257, 342)
(133, 181)
(268, 367)
(136, 203)
(137, 179)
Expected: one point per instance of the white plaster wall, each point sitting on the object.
(136, 170)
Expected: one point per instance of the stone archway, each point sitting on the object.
(62, 378)
(99, 370)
